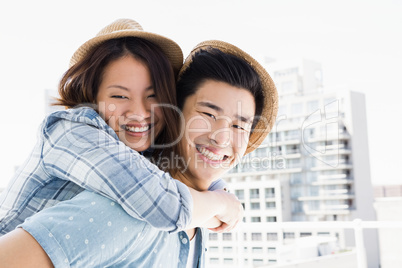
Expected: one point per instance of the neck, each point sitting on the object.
(189, 181)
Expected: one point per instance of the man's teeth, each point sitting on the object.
(137, 129)
(210, 155)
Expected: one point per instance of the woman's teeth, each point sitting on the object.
(210, 155)
(137, 129)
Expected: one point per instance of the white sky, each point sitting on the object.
(358, 43)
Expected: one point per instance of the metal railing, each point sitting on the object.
(356, 225)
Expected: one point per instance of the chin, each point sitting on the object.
(139, 148)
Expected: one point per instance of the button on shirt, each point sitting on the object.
(77, 150)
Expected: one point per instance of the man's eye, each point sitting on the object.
(210, 115)
(243, 128)
(239, 127)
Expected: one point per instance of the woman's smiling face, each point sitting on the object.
(126, 100)
(218, 119)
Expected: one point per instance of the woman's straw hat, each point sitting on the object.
(131, 28)
(270, 109)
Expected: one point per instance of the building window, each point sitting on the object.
(282, 110)
(270, 205)
(323, 234)
(214, 260)
(239, 194)
(272, 250)
(245, 236)
(255, 219)
(256, 249)
(272, 236)
(312, 106)
(213, 249)
(254, 205)
(296, 206)
(287, 86)
(256, 237)
(305, 234)
(271, 219)
(254, 193)
(227, 236)
(228, 261)
(227, 249)
(288, 235)
(271, 261)
(258, 261)
(245, 249)
(297, 109)
(296, 178)
(213, 236)
(269, 192)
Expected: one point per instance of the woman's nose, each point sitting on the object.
(138, 110)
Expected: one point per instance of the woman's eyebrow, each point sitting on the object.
(118, 86)
(124, 88)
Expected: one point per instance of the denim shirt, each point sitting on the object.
(93, 231)
(77, 150)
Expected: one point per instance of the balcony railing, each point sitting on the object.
(356, 255)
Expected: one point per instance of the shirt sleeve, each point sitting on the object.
(96, 161)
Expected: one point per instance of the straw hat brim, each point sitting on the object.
(270, 109)
(171, 49)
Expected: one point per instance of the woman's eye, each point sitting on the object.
(152, 96)
(210, 115)
(119, 97)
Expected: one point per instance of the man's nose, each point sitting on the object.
(221, 134)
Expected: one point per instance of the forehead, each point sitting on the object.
(228, 98)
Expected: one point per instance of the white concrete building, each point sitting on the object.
(313, 166)
(390, 209)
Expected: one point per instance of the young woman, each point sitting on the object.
(93, 231)
(121, 73)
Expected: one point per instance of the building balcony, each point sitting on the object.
(284, 142)
(332, 182)
(322, 247)
(326, 197)
(322, 150)
(331, 177)
(331, 166)
(333, 192)
(322, 212)
(268, 171)
(328, 137)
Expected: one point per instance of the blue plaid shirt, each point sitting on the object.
(77, 150)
